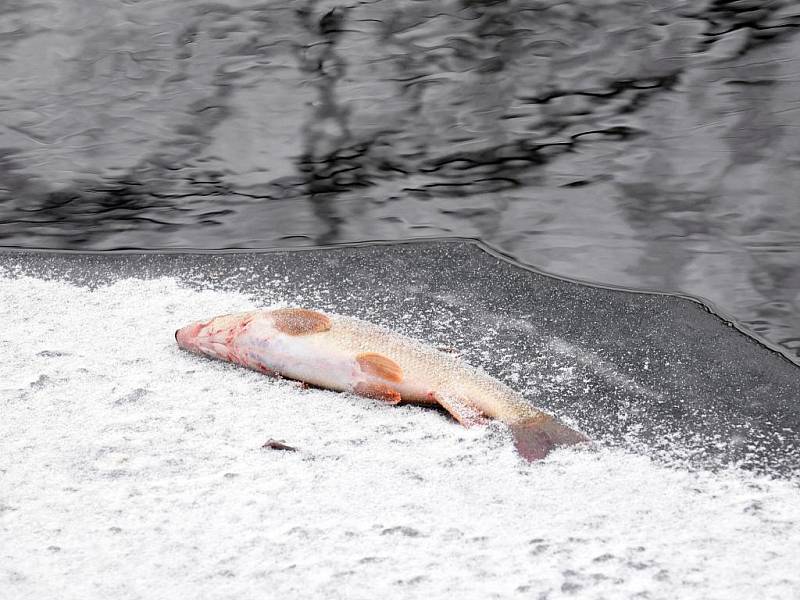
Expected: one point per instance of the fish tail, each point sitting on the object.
(535, 437)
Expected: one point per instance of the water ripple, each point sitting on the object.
(647, 145)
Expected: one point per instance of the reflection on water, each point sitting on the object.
(644, 144)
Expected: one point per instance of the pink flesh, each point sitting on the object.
(186, 336)
(289, 356)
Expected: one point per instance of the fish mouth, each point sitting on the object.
(187, 336)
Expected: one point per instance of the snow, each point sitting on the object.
(130, 469)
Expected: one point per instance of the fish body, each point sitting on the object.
(350, 355)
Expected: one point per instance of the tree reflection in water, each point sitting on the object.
(628, 143)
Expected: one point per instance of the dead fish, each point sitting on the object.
(350, 355)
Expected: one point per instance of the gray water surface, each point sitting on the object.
(651, 145)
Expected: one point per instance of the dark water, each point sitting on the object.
(653, 145)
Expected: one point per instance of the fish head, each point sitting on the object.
(214, 337)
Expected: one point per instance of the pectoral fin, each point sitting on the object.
(534, 438)
(381, 366)
(462, 411)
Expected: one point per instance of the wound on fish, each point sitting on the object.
(300, 321)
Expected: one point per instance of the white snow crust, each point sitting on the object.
(130, 469)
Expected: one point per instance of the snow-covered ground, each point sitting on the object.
(129, 469)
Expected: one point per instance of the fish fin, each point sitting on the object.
(380, 366)
(299, 321)
(461, 410)
(535, 437)
(378, 391)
